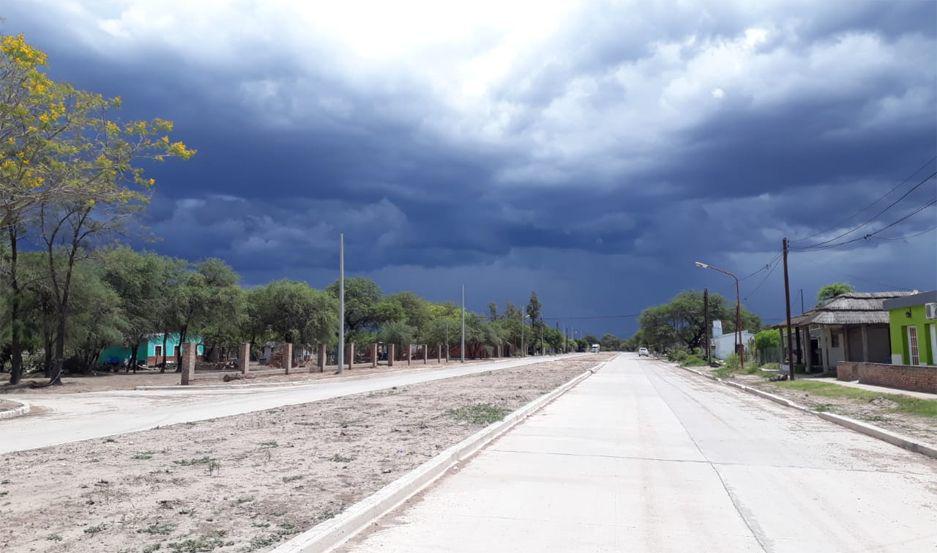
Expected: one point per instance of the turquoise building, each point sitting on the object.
(150, 350)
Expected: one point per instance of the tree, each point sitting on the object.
(610, 342)
(492, 311)
(681, 322)
(30, 120)
(294, 312)
(205, 298)
(361, 298)
(136, 280)
(832, 290)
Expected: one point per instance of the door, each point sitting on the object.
(913, 351)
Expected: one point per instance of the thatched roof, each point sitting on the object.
(853, 308)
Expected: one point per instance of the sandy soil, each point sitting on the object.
(247, 482)
(152, 377)
(879, 411)
(7, 405)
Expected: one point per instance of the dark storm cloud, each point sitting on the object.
(618, 150)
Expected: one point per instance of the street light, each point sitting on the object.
(739, 347)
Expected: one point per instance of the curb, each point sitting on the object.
(336, 531)
(893, 438)
(23, 409)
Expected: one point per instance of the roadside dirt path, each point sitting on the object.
(247, 482)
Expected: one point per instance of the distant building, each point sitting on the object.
(913, 328)
(150, 351)
(723, 345)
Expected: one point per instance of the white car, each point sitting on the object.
(643, 352)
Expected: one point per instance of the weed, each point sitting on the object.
(338, 458)
(207, 542)
(259, 542)
(92, 530)
(243, 500)
(904, 404)
(822, 407)
(110, 441)
(195, 461)
(152, 547)
(479, 413)
(260, 524)
(54, 537)
(160, 528)
(142, 456)
(270, 444)
(292, 478)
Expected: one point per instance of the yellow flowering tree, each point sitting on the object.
(71, 169)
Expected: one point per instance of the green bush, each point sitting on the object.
(732, 362)
(694, 361)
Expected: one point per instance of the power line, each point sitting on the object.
(626, 316)
(907, 236)
(872, 234)
(869, 220)
(765, 267)
(877, 200)
(776, 262)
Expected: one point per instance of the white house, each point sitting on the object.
(723, 345)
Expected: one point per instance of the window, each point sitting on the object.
(834, 339)
(175, 350)
(159, 351)
(913, 350)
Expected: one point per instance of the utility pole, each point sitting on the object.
(462, 346)
(341, 302)
(706, 324)
(801, 301)
(787, 303)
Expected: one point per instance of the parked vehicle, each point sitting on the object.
(643, 352)
(595, 348)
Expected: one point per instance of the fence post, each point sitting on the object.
(189, 351)
(244, 359)
(390, 354)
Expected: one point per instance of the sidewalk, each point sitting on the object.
(880, 389)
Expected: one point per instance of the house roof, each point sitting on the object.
(914, 299)
(850, 309)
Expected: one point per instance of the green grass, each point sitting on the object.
(906, 404)
(479, 413)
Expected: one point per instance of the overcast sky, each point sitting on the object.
(589, 151)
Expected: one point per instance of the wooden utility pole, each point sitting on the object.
(787, 304)
(706, 324)
(340, 352)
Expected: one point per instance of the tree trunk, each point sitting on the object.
(59, 359)
(182, 337)
(162, 365)
(16, 340)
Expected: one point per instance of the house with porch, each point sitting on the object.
(849, 327)
(913, 323)
(151, 350)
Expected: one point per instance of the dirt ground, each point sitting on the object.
(152, 377)
(248, 482)
(879, 412)
(7, 405)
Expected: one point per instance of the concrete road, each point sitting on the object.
(72, 417)
(646, 457)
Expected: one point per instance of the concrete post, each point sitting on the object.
(390, 355)
(287, 361)
(438, 354)
(374, 354)
(321, 358)
(425, 353)
(409, 353)
(189, 352)
(244, 358)
(351, 354)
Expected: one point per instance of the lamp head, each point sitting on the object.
(702, 265)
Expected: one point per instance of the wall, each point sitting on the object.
(904, 377)
(900, 321)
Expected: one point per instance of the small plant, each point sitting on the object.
(195, 461)
(292, 478)
(152, 547)
(207, 542)
(142, 456)
(54, 537)
(92, 530)
(159, 528)
(243, 500)
(479, 413)
(822, 407)
(339, 458)
(270, 444)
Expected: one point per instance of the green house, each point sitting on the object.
(913, 326)
(151, 351)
